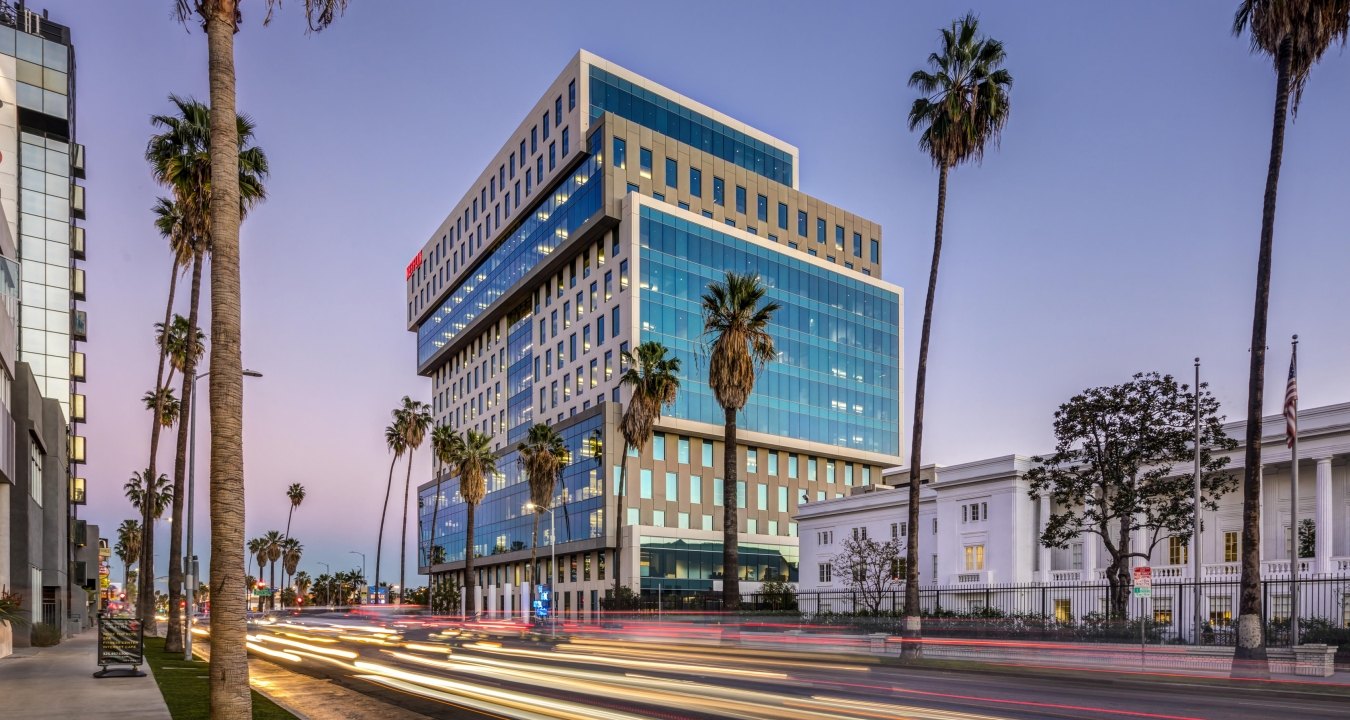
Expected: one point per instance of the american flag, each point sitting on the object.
(1291, 401)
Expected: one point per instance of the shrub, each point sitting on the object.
(626, 599)
(778, 595)
(11, 608)
(45, 635)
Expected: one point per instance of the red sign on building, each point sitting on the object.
(412, 266)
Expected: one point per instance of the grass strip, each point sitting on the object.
(186, 689)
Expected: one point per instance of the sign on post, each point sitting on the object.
(1143, 581)
(121, 641)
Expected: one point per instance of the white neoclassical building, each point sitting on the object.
(979, 525)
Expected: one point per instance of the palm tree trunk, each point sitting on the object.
(403, 536)
(289, 514)
(731, 575)
(619, 520)
(173, 639)
(229, 685)
(1249, 658)
(431, 545)
(470, 584)
(272, 583)
(913, 628)
(147, 555)
(379, 543)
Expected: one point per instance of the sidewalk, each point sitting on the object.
(58, 682)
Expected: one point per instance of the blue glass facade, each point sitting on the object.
(679, 564)
(837, 378)
(630, 102)
(501, 523)
(564, 208)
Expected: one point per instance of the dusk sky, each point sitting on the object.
(1114, 231)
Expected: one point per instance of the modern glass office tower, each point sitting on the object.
(40, 168)
(596, 227)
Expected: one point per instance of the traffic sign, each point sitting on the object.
(1143, 581)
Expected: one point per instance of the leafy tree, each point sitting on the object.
(418, 422)
(1295, 34)
(543, 456)
(1114, 470)
(445, 598)
(653, 380)
(871, 569)
(736, 316)
(1307, 538)
(962, 108)
(229, 687)
(396, 439)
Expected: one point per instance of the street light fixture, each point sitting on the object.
(363, 569)
(553, 565)
(190, 560)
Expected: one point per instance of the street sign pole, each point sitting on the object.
(1142, 588)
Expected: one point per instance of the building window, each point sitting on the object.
(740, 199)
(824, 570)
(35, 473)
(623, 278)
(1221, 610)
(645, 488)
(620, 153)
(557, 118)
(695, 182)
(571, 104)
(1063, 610)
(792, 466)
(1230, 546)
(839, 237)
(782, 216)
(547, 125)
(751, 460)
(707, 449)
(659, 446)
(974, 558)
(609, 364)
(1076, 555)
(682, 451)
(773, 463)
(820, 230)
(1177, 551)
(552, 156)
(825, 537)
(1162, 610)
(566, 146)
(719, 191)
(857, 244)
(876, 251)
(534, 140)
(762, 208)
(801, 223)
(672, 173)
(645, 163)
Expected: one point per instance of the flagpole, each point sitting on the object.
(1293, 506)
(1195, 530)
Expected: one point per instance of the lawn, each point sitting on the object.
(184, 686)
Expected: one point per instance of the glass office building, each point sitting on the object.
(596, 227)
(41, 166)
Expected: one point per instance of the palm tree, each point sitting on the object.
(737, 325)
(302, 585)
(396, 439)
(179, 156)
(446, 445)
(1295, 34)
(273, 539)
(128, 549)
(230, 694)
(543, 456)
(262, 551)
(418, 415)
(168, 406)
(653, 382)
(150, 495)
(476, 462)
(291, 550)
(963, 107)
(296, 494)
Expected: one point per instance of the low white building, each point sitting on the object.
(979, 527)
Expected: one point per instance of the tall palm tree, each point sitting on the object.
(736, 316)
(151, 496)
(963, 106)
(418, 416)
(1295, 34)
(446, 446)
(291, 550)
(273, 539)
(396, 439)
(260, 550)
(296, 494)
(169, 407)
(229, 688)
(543, 456)
(128, 549)
(179, 156)
(653, 382)
(476, 462)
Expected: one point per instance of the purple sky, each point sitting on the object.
(1114, 231)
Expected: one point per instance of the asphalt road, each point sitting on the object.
(491, 671)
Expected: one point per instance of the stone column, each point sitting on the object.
(1090, 557)
(506, 595)
(1322, 517)
(1043, 552)
(490, 607)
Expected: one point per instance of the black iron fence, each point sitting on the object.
(1057, 611)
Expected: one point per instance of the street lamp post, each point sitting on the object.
(363, 568)
(327, 570)
(190, 560)
(553, 566)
